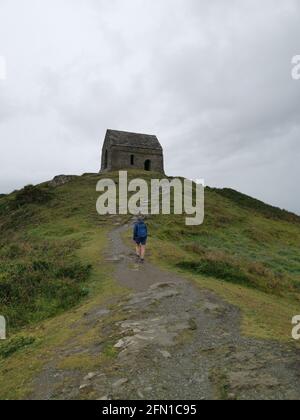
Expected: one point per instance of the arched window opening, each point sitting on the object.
(148, 165)
(132, 160)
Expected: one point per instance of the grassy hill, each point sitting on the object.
(52, 243)
(246, 251)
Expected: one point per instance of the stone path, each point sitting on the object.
(172, 341)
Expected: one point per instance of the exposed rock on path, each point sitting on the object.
(170, 340)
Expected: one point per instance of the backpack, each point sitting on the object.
(141, 230)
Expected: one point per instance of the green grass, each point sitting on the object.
(238, 241)
(219, 269)
(55, 334)
(52, 269)
(15, 344)
(246, 202)
(246, 251)
(41, 274)
(41, 281)
(46, 235)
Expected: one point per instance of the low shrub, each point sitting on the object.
(76, 271)
(251, 274)
(32, 195)
(42, 284)
(10, 347)
(218, 269)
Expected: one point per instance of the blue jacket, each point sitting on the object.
(138, 227)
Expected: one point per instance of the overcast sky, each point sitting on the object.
(212, 79)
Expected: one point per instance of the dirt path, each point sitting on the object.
(170, 340)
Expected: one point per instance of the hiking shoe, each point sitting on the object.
(142, 260)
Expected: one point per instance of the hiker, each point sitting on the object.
(140, 234)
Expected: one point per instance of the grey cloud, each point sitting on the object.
(212, 79)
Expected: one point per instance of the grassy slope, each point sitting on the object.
(252, 241)
(66, 228)
(247, 237)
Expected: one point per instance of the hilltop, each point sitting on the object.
(55, 270)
